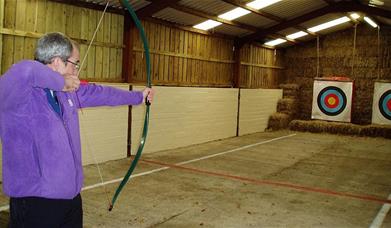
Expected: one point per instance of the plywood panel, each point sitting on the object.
(104, 132)
(182, 116)
(256, 106)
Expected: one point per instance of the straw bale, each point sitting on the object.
(287, 106)
(375, 130)
(304, 102)
(290, 86)
(290, 90)
(279, 121)
(319, 126)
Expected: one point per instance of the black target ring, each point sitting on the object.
(385, 104)
(335, 94)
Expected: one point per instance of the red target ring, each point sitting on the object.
(331, 101)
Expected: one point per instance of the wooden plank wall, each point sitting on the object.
(260, 67)
(183, 58)
(27, 20)
(182, 116)
(256, 107)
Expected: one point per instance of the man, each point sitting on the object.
(39, 130)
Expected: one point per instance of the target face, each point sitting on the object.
(331, 100)
(381, 107)
(385, 105)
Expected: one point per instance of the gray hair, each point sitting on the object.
(53, 45)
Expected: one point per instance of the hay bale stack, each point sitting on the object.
(290, 90)
(320, 126)
(325, 126)
(287, 106)
(278, 121)
(305, 105)
(375, 130)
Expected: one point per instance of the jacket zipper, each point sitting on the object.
(70, 141)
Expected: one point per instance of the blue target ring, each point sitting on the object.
(331, 100)
(385, 104)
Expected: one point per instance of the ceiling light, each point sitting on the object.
(376, 2)
(207, 25)
(329, 24)
(296, 35)
(355, 16)
(275, 42)
(259, 4)
(235, 13)
(370, 21)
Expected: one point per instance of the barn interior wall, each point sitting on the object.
(185, 58)
(178, 57)
(336, 59)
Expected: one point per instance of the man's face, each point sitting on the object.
(70, 66)
(72, 63)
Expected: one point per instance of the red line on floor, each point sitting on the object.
(275, 183)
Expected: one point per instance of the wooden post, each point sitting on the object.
(236, 79)
(237, 59)
(127, 62)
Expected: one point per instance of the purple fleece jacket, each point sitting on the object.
(41, 150)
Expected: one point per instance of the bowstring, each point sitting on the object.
(78, 100)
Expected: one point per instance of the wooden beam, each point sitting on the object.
(15, 32)
(372, 10)
(90, 5)
(188, 28)
(154, 7)
(185, 56)
(263, 14)
(293, 22)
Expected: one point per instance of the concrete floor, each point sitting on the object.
(273, 179)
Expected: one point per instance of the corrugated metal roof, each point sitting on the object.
(231, 30)
(256, 20)
(178, 17)
(288, 9)
(212, 7)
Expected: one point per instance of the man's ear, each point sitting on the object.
(57, 63)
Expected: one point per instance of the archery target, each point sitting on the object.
(332, 100)
(381, 107)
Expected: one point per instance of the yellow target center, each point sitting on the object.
(331, 100)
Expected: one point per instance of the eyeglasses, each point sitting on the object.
(77, 66)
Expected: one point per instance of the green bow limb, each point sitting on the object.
(146, 120)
